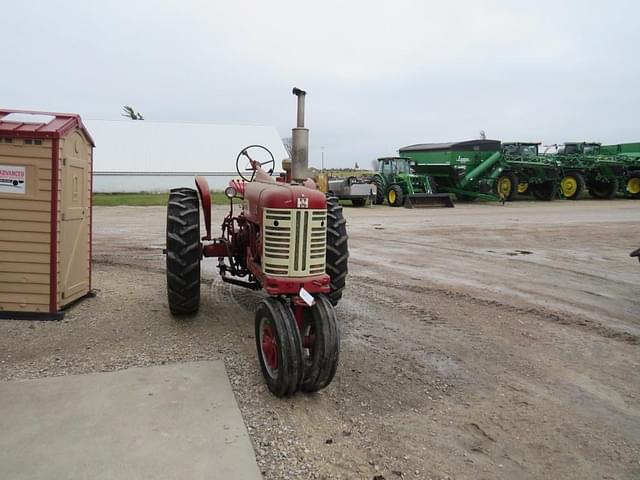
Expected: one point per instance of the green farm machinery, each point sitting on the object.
(485, 169)
(534, 174)
(398, 184)
(584, 167)
(629, 155)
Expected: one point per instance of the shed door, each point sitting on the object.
(74, 222)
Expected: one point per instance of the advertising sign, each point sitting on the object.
(12, 179)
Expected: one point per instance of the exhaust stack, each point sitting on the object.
(300, 142)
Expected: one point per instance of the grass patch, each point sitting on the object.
(348, 173)
(146, 199)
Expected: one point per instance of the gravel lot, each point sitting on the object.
(483, 341)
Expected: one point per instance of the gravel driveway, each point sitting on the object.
(477, 342)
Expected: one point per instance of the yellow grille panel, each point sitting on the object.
(295, 242)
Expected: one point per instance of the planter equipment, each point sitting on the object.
(533, 173)
(629, 155)
(585, 168)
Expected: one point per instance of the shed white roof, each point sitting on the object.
(144, 146)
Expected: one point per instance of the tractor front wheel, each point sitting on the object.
(603, 190)
(633, 184)
(320, 344)
(506, 186)
(183, 251)
(395, 196)
(545, 191)
(337, 257)
(279, 347)
(572, 185)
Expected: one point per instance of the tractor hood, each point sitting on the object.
(259, 195)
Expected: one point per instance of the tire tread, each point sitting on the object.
(337, 256)
(183, 251)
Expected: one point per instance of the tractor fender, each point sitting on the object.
(379, 178)
(238, 186)
(205, 200)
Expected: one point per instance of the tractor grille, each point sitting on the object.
(294, 243)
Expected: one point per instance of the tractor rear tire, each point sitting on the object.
(358, 202)
(337, 258)
(603, 190)
(572, 185)
(632, 185)
(545, 191)
(395, 196)
(507, 186)
(183, 251)
(320, 325)
(379, 198)
(279, 347)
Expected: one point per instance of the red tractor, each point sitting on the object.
(290, 240)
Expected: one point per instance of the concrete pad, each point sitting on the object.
(165, 422)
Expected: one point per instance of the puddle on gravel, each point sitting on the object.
(445, 365)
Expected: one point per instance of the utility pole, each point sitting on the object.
(322, 158)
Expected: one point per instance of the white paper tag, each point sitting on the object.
(306, 296)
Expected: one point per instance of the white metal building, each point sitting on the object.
(139, 155)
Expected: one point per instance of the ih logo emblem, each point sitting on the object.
(303, 202)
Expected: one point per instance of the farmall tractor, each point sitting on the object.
(289, 240)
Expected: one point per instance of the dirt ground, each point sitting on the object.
(478, 342)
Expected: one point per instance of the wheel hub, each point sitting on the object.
(269, 347)
(569, 186)
(504, 187)
(308, 337)
(522, 187)
(392, 196)
(633, 185)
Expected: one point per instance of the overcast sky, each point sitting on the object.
(379, 75)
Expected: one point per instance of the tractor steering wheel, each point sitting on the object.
(252, 164)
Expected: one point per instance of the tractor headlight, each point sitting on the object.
(230, 192)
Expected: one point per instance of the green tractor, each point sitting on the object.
(398, 184)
